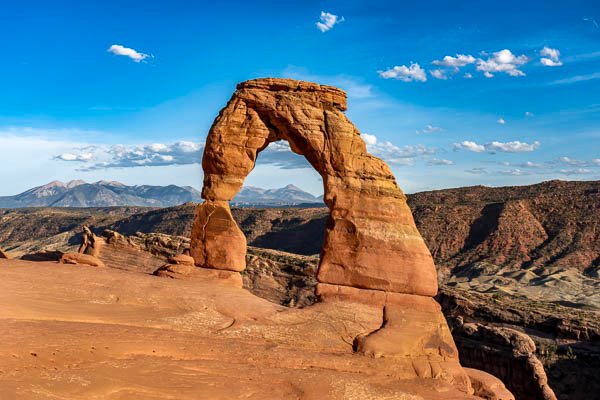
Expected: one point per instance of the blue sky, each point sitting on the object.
(448, 93)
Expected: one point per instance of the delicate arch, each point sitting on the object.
(371, 240)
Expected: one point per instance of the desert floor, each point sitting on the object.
(77, 332)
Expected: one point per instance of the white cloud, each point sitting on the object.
(514, 172)
(577, 171)
(429, 129)
(119, 50)
(576, 79)
(501, 121)
(528, 114)
(470, 146)
(551, 57)
(440, 161)
(407, 74)
(477, 171)
(531, 164)
(400, 155)
(579, 163)
(327, 21)
(506, 147)
(369, 139)
(438, 74)
(502, 61)
(83, 157)
(455, 62)
(512, 147)
(468, 75)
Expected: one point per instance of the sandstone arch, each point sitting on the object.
(372, 251)
(371, 241)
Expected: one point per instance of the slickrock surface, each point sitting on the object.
(370, 239)
(79, 332)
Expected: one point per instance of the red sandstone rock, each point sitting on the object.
(3, 254)
(488, 386)
(181, 259)
(78, 258)
(217, 241)
(370, 240)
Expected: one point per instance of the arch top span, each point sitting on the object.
(371, 241)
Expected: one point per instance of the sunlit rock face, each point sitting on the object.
(370, 241)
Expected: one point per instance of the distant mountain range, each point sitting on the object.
(78, 193)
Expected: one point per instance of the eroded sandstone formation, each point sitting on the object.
(372, 253)
(3, 254)
(370, 241)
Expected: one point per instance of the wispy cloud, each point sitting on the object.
(120, 50)
(393, 154)
(429, 129)
(328, 21)
(440, 161)
(496, 146)
(501, 121)
(576, 79)
(412, 73)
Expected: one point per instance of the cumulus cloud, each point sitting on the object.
(455, 62)
(506, 147)
(328, 21)
(120, 50)
(512, 147)
(429, 129)
(502, 61)
(414, 72)
(438, 74)
(550, 57)
(470, 146)
(468, 75)
(501, 121)
(440, 161)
